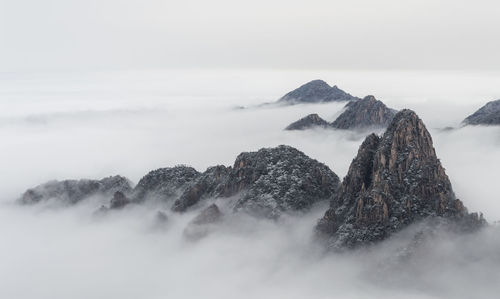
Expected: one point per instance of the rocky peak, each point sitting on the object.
(310, 121)
(368, 112)
(316, 91)
(394, 180)
(211, 183)
(266, 182)
(165, 183)
(489, 114)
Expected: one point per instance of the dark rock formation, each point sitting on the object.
(118, 201)
(359, 115)
(201, 225)
(368, 112)
(161, 217)
(273, 180)
(73, 191)
(267, 182)
(310, 121)
(211, 183)
(211, 214)
(317, 91)
(487, 115)
(394, 181)
(164, 184)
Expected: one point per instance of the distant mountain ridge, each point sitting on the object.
(487, 115)
(360, 114)
(316, 91)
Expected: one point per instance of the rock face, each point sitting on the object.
(118, 201)
(308, 122)
(267, 182)
(368, 112)
(359, 115)
(316, 91)
(394, 181)
(487, 115)
(164, 184)
(201, 225)
(211, 183)
(73, 191)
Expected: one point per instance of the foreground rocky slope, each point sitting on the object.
(358, 115)
(316, 91)
(487, 115)
(394, 181)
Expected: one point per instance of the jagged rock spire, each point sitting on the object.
(394, 181)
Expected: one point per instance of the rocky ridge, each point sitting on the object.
(487, 115)
(394, 181)
(358, 115)
(74, 191)
(265, 183)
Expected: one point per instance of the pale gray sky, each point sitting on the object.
(313, 34)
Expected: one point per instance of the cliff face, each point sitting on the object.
(394, 181)
(308, 122)
(267, 182)
(73, 191)
(487, 115)
(368, 112)
(316, 91)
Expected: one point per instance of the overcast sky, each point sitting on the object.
(313, 34)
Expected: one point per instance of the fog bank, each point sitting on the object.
(91, 125)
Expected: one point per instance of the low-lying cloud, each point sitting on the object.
(84, 126)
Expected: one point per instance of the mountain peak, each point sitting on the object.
(394, 181)
(307, 122)
(365, 113)
(316, 91)
(489, 114)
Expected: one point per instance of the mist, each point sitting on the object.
(92, 125)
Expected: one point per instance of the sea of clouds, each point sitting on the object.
(92, 125)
